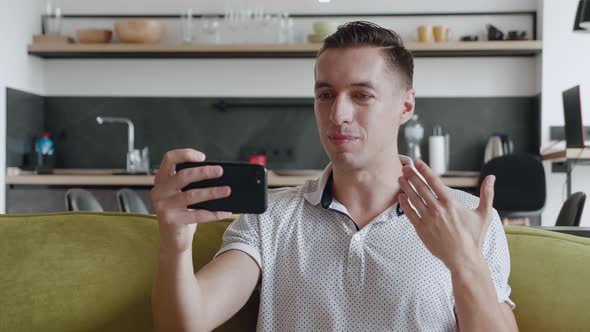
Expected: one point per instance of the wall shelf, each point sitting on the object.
(155, 51)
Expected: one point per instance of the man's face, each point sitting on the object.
(359, 106)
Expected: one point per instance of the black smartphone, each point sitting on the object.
(247, 182)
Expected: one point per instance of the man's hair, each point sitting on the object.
(367, 34)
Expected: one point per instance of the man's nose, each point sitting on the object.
(341, 111)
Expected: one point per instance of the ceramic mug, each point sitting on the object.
(441, 33)
(425, 34)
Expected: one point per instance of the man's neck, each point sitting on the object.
(367, 192)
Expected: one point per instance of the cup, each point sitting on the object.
(425, 34)
(441, 33)
(186, 19)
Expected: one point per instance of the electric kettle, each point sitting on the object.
(498, 145)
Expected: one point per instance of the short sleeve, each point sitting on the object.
(243, 234)
(497, 255)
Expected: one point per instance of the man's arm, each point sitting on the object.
(183, 301)
(476, 301)
(455, 234)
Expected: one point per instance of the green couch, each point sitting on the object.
(83, 271)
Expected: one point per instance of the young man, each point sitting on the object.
(367, 247)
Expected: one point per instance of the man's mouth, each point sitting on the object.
(338, 139)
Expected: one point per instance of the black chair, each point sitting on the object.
(82, 200)
(129, 201)
(520, 188)
(571, 210)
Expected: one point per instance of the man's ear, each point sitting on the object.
(409, 103)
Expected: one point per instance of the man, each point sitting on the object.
(367, 247)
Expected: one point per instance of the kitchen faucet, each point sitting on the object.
(137, 161)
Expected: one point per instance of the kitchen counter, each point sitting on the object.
(105, 177)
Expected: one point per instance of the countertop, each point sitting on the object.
(105, 177)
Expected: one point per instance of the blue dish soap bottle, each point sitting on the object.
(44, 152)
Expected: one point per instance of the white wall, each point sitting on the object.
(190, 77)
(19, 20)
(565, 64)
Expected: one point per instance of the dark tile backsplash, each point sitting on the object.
(25, 121)
(168, 123)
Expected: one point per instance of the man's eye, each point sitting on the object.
(324, 96)
(363, 96)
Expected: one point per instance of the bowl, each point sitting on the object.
(316, 38)
(325, 27)
(94, 36)
(139, 31)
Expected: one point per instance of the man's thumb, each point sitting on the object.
(486, 197)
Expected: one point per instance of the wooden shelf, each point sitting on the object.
(117, 50)
(104, 177)
(571, 153)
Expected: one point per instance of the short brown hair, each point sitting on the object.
(363, 34)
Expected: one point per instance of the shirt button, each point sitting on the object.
(357, 237)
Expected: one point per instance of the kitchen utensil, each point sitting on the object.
(186, 20)
(493, 149)
(425, 34)
(139, 30)
(316, 39)
(470, 38)
(413, 133)
(494, 33)
(53, 18)
(325, 27)
(94, 36)
(498, 145)
(441, 33)
(517, 35)
(437, 151)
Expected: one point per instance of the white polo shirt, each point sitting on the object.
(320, 272)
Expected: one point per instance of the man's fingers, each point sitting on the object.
(412, 195)
(181, 199)
(408, 211)
(174, 184)
(420, 187)
(179, 216)
(433, 180)
(486, 197)
(171, 158)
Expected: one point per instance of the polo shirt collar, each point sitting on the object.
(323, 192)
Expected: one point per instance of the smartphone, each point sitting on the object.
(247, 182)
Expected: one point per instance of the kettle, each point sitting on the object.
(498, 145)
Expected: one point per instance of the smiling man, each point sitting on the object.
(376, 243)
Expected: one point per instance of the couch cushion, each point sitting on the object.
(84, 271)
(550, 279)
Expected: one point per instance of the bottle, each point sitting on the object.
(414, 133)
(437, 148)
(44, 145)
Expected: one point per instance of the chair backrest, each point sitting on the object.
(571, 210)
(520, 182)
(82, 200)
(129, 201)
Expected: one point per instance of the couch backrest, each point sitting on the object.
(550, 279)
(85, 271)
